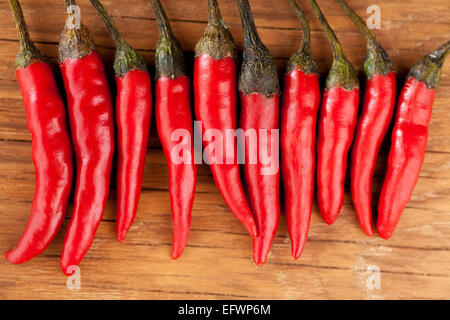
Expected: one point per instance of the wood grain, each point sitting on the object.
(217, 263)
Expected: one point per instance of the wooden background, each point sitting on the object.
(217, 264)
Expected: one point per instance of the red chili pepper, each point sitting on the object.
(51, 147)
(372, 125)
(92, 125)
(133, 114)
(300, 103)
(336, 126)
(409, 138)
(259, 91)
(173, 113)
(215, 106)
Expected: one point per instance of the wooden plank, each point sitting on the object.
(281, 36)
(217, 239)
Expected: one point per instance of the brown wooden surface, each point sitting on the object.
(217, 264)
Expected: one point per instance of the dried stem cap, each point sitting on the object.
(428, 69)
(377, 59)
(217, 41)
(169, 60)
(303, 58)
(28, 53)
(259, 72)
(342, 74)
(75, 42)
(126, 58)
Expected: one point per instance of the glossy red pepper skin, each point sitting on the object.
(300, 104)
(92, 126)
(261, 112)
(52, 159)
(172, 110)
(377, 111)
(215, 87)
(133, 113)
(409, 142)
(336, 128)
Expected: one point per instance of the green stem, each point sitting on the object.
(251, 37)
(126, 59)
(161, 19)
(115, 34)
(28, 53)
(428, 69)
(377, 60)
(259, 72)
(368, 34)
(24, 37)
(342, 74)
(303, 58)
(214, 16)
(306, 41)
(337, 48)
(440, 54)
(169, 60)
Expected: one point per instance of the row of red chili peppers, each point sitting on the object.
(91, 135)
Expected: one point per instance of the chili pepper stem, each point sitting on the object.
(342, 73)
(428, 69)
(258, 73)
(161, 18)
(251, 35)
(337, 48)
(214, 16)
(216, 41)
(368, 34)
(126, 59)
(169, 60)
(306, 41)
(303, 58)
(115, 34)
(377, 60)
(75, 42)
(28, 53)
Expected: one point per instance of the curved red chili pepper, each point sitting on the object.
(336, 127)
(259, 91)
(215, 105)
(377, 111)
(372, 125)
(409, 139)
(261, 112)
(300, 103)
(173, 113)
(133, 113)
(51, 146)
(92, 125)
